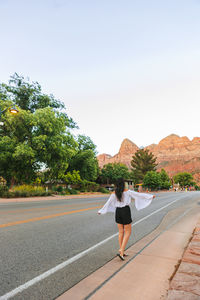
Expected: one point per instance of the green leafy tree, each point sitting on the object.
(84, 160)
(165, 180)
(152, 180)
(184, 179)
(85, 143)
(38, 139)
(28, 96)
(31, 141)
(86, 163)
(72, 178)
(142, 162)
(113, 171)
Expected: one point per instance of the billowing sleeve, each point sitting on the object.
(108, 206)
(142, 200)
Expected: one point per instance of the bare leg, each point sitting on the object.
(121, 234)
(127, 229)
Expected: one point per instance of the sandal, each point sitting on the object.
(120, 256)
(124, 253)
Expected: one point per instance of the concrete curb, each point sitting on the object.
(185, 284)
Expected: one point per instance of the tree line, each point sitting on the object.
(143, 171)
(37, 145)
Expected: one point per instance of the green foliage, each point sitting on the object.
(59, 189)
(155, 180)
(38, 139)
(165, 180)
(37, 181)
(88, 186)
(73, 191)
(28, 95)
(26, 191)
(165, 185)
(29, 141)
(3, 190)
(184, 179)
(103, 190)
(142, 162)
(72, 177)
(152, 180)
(85, 143)
(2, 181)
(84, 159)
(86, 163)
(113, 171)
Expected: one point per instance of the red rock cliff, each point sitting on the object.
(124, 155)
(174, 154)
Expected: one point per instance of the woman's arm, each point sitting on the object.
(142, 200)
(108, 206)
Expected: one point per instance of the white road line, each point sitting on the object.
(71, 260)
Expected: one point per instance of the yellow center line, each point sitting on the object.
(47, 217)
(33, 209)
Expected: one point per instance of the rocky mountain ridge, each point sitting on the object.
(174, 154)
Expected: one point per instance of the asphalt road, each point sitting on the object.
(46, 247)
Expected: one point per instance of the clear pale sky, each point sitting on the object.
(124, 69)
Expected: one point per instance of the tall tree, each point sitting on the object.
(85, 143)
(113, 171)
(40, 137)
(142, 162)
(152, 180)
(31, 141)
(84, 160)
(165, 180)
(29, 96)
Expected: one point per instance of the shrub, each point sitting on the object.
(2, 181)
(27, 191)
(88, 186)
(73, 191)
(3, 190)
(67, 191)
(103, 190)
(59, 189)
(54, 188)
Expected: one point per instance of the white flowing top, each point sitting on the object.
(141, 201)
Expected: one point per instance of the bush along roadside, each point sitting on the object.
(23, 191)
(103, 190)
(34, 191)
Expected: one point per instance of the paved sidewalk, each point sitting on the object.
(185, 285)
(146, 272)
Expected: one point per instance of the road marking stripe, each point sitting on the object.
(71, 260)
(33, 209)
(47, 217)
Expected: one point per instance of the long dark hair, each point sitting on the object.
(120, 185)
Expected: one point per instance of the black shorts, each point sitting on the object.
(123, 215)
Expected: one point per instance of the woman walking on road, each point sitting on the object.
(119, 203)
